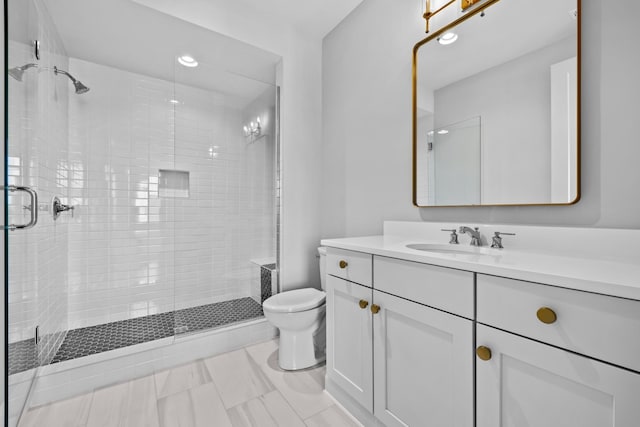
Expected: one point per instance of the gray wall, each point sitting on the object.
(367, 124)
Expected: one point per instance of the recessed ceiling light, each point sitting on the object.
(447, 38)
(443, 132)
(187, 61)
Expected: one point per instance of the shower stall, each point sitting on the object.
(141, 195)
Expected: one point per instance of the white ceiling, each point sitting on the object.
(315, 18)
(125, 35)
(135, 36)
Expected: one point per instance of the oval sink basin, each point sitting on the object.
(452, 249)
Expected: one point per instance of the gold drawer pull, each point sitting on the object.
(343, 264)
(546, 315)
(363, 303)
(484, 353)
(375, 308)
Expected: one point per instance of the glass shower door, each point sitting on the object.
(224, 188)
(33, 328)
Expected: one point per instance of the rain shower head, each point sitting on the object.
(80, 88)
(17, 72)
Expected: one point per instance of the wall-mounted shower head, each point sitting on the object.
(80, 88)
(17, 72)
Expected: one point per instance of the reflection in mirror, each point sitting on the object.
(518, 77)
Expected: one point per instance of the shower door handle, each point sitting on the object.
(34, 207)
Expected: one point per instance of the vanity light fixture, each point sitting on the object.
(174, 101)
(464, 6)
(427, 14)
(253, 130)
(187, 61)
(443, 132)
(447, 38)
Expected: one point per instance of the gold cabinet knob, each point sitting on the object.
(363, 303)
(343, 264)
(546, 315)
(483, 352)
(375, 308)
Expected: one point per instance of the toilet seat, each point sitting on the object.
(295, 300)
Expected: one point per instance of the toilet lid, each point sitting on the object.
(296, 300)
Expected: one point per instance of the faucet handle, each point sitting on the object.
(453, 237)
(496, 240)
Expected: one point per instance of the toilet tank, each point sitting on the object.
(322, 252)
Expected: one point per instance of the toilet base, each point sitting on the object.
(302, 349)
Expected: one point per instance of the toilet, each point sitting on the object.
(300, 316)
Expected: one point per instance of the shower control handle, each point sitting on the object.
(59, 207)
(33, 207)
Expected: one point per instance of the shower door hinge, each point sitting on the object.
(37, 337)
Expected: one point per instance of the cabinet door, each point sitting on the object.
(526, 383)
(349, 347)
(423, 365)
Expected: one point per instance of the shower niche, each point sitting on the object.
(172, 183)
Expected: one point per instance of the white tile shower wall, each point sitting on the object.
(121, 244)
(133, 253)
(38, 114)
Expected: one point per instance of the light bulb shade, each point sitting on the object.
(447, 38)
(188, 61)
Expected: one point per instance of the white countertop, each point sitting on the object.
(602, 276)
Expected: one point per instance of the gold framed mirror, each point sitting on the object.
(496, 112)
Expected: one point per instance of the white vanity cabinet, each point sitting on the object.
(527, 383)
(349, 339)
(555, 356)
(483, 337)
(407, 363)
(423, 365)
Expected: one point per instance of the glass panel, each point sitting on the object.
(225, 229)
(156, 184)
(28, 129)
(457, 154)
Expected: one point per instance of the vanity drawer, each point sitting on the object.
(438, 287)
(603, 327)
(349, 265)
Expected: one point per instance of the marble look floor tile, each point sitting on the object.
(304, 390)
(334, 416)
(142, 408)
(67, 413)
(108, 406)
(200, 406)
(269, 410)
(237, 377)
(181, 378)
